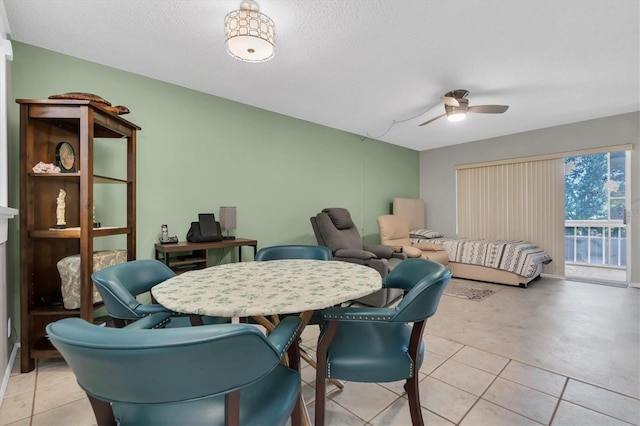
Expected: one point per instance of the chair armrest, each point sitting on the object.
(153, 308)
(156, 320)
(412, 251)
(381, 251)
(355, 254)
(380, 265)
(429, 246)
(353, 314)
(401, 256)
(285, 333)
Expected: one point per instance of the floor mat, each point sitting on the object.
(468, 290)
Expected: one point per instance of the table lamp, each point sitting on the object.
(228, 220)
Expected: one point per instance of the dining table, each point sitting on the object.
(265, 290)
(262, 289)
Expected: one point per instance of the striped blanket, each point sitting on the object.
(520, 257)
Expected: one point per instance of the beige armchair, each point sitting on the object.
(394, 231)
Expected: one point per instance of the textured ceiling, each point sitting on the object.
(372, 67)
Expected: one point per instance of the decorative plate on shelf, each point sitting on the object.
(66, 157)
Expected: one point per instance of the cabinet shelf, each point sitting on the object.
(179, 262)
(59, 311)
(42, 348)
(67, 112)
(96, 178)
(75, 232)
(56, 312)
(44, 124)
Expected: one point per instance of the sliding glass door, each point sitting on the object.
(596, 205)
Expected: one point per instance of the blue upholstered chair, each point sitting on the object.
(213, 375)
(120, 284)
(377, 344)
(294, 251)
(299, 251)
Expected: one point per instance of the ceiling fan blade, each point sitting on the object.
(488, 109)
(433, 119)
(451, 101)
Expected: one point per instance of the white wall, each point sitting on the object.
(6, 213)
(437, 166)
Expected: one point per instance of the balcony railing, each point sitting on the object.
(596, 242)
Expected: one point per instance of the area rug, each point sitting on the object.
(470, 290)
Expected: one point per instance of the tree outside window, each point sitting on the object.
(595, 186)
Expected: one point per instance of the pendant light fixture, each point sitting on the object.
(250, 35)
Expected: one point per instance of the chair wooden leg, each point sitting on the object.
(312, 362)
(195, 320)
(413, 394)
(299, 416)
(326, 336)
(119, 323)
(296, 415)
(232, 408)
(103, 412)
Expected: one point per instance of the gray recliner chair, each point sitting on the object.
(334, 228)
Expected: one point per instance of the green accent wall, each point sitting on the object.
(197, 152)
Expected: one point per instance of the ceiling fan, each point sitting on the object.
(456, 106)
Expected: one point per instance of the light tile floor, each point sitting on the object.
(557, 353)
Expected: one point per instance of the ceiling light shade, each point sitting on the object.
(457, 113)
(456, 116)
(250, 35)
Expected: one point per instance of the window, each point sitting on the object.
(595, 186)
(595, 190)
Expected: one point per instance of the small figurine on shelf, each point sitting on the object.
(60, 210)
(95, 224)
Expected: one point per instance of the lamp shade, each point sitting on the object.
(228, 218)
(250, 35)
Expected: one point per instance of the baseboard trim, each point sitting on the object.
(7, 372)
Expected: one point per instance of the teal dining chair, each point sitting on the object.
(375, 345)
(294, 251)
(299, 251)
(120, 284)
(210, 375)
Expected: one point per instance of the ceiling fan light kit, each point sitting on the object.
(249, 34)
(456, 116)
(456, 112)
(456, 107)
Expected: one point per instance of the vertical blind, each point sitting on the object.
(515, 201)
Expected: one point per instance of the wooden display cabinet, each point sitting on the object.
(44, 124)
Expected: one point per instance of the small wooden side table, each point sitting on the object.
(185, 256)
